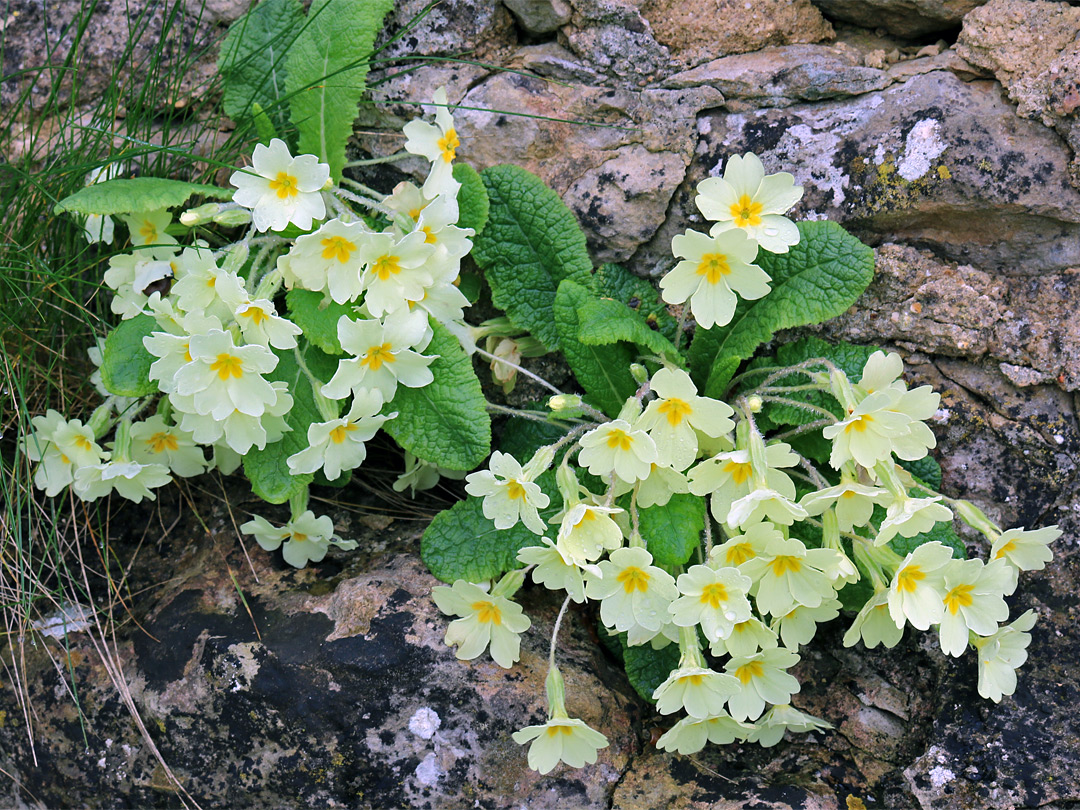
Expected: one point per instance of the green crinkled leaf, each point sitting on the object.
(818, 279)
(460, 543)
(252, 63)
(473, 205)
(603, 371)
(327, 70)
(523, 437)
(926, 469)
(446, 422)
(673, 531)
(125, 362)
(647, 668)
(615, 281)
(128, 195)
(267, 469)
(602, 321)
(530, 244)
(318, 316)
(942, 532)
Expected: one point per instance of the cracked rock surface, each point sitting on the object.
(957, 161)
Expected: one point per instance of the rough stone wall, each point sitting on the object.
(941, 131)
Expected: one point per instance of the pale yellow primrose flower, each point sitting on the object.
(148, 227)
(769, 730)
(657, 489)
(339, 445)
(154, 442)
(438, 143)
(673, 419)
(874, 625)
(974, 600)
(917, 591)
(61, 446)
(1026, 549)
(281, 189)
(787, 574)
(867, 434)
(552, 570)
(713, 598)
(223, 377)
(852, 502)
(509, 495)
(748, 199)
(742, 548)
(130, 479)
(620, 447)
(586, 531)
(1001, 654)
(382, 355)
(560, 739)
(130, 275)
(632, 590)
(764, 503)
(328, 260)
(690, 734)
(306, 538)
(911, 516)
(762, 679)
(698, 690)
(486, 619)
(241, 431)
(728, 477)
(799, 625)
(713, 270)
(746, 638)
(395, 270)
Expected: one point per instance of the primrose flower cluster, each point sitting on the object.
(227, 360)
(782, 537)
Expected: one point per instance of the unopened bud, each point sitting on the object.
(754, 404)
(565, 404)
(233, 217)
(974, 517)
(639, 373)
(540, 461)
(199, 215)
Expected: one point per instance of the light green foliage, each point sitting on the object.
(531, 243)
(125, 363)
(523, 437)
(126, 195)
(460, 543)
(818, 279)
(673, 531)
(445, 422)
(253, 63)
(647, 668)
(473, 205)
(267, 469)
(615, 281)
(942, 532)
(603, 321)
(926, 469)
(318, 316)
(327, 68)
(603, 371)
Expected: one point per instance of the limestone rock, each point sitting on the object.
(1026, 325)
(451, 27)
(904, 18)
(933, 161)
(540, 16)
(784, 75)
(1034, 51)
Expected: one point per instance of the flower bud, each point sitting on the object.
(199, 215)
(540, 461)
(233, 217)
(754, 404)
(568, 405)
(639, 373)
(974, 517)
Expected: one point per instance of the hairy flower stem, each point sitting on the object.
(555, 632)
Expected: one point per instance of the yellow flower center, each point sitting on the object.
(695, 679)
(675, 410)
(1005, 549)
(555, 731)
(211, 282)
(848, 494)
(228, 365)
(65, 459)
(83, 444)
(859, 424)
(633, 579)
(747, 672)
(257, 314)
(514, 490)
(429, 235)
(298, 537)
(375, 356)
(619, 439)
(740, 553)
(782, 564)
(337, 247)
(739, 472)
(386, 266)
(586, 517)
(187, 352)
(959, 597)
(487, 612)
(341, 432)
(746, 211)
(448, 145)
(160, 442)
(148, 231)
(285, 185)
(908, 579)
(714, 266)
(713, 594)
